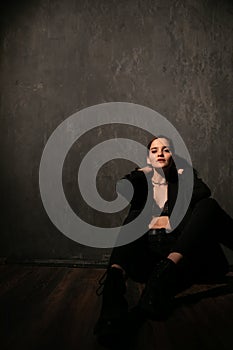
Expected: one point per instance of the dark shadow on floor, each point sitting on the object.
(206, 291)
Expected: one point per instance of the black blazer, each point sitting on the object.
(143, 192)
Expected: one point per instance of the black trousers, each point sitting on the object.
(198, 242)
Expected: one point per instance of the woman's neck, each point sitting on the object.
(159, 176)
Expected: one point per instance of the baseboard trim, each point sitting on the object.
(62, 262)
(56, 262)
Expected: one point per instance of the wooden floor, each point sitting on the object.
(44, 307)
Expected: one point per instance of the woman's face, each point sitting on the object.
(160, 155)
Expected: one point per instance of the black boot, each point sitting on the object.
(157, 297)
(110, 326)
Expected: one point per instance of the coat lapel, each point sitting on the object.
(172, 195)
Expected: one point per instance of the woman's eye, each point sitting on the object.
(164, 150)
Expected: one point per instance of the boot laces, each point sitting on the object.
(101, 282)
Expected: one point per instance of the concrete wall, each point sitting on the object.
(58, 57)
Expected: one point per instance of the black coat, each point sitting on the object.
(143, 192)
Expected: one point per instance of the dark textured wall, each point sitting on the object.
(58, 57)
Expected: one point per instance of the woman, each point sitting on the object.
(167, 260)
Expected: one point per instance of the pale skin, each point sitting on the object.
(159, 160)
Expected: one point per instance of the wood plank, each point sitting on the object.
(56, 307)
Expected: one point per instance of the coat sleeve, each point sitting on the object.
(134, 188)
(200, 189)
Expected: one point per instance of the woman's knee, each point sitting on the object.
(207, 204)
(117, 266)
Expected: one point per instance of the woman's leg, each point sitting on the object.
(132, 261)
(199, 243)
(135, 259)
(157, 298)
(208, 222)
(195, 256)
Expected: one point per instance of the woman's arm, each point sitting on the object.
(200, 189)
(137, 193)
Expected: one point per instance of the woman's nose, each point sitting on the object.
(160, 153)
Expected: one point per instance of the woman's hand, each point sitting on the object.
(146, 169)
(160, 222)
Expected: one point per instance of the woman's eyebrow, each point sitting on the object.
(152, 148)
